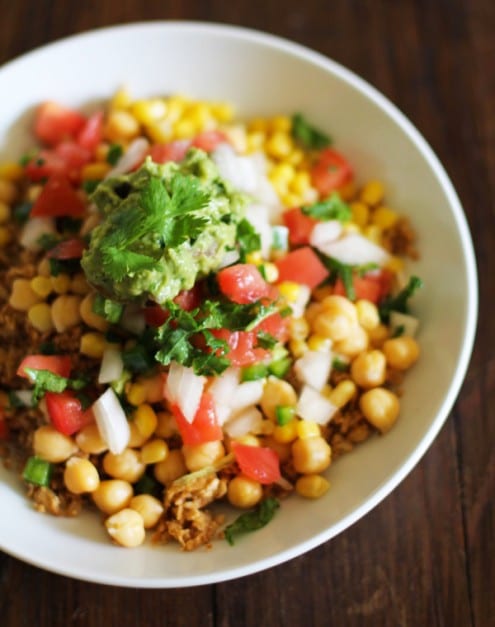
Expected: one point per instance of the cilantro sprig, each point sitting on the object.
(307, 134)
(332, 208)
(253, 520)
(47, 381)
(400, 302)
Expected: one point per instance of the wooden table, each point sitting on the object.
(426, 555)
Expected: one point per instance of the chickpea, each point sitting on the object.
(22, 296)
(136, 438)
(90, 441)
(369, 369)
(126, 528)
(311, 455)
(243, 492)
(337, 319)
(401, 352)
(277, 392)
(112, 495)
(356, 342)
(378, 335)
(126, 465)
(198, 456)
(53, 446)
(380, 407)
(65, 312)
(149, 507)
(282, 449)
(171, 468)
(368, 315)
(80, 476)
(154, 451)
(312, 486)
(166, 426)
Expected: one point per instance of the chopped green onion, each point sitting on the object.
(38, 471)
(280, 367)
(284, 414)
(340, 365)
(254, 372)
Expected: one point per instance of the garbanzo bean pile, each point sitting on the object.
(193, 308)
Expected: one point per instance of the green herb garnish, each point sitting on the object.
(254, 372)
(332, 208)
(284, 414)
(248, 238)
(252, 521)
(115, 151)
(307, 134)
(47, 381)
(90, 185)
(107, 308)
(399, 302)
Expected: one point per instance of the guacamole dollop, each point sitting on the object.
(163, 227)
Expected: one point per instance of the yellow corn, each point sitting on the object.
(298, 328)
(149, 111)
(4, 212)
(145, 419)
(279, 145)
(258, 125)
(298, 347)
(5, 236)
(22, 296)
(296, 158)
(8, 191)
(281, 123)
(95, 171)
(255, 141)
(374, 233)
(93, 344)
(254, 258)
(271, 272)
(161, 131)
(312, 486)
(307, 429)
(285, 433)
(289, 290)
(319, 343)
(200, 116)
(348, 191)
(384, 217)
(360, 213)
(184, 129)
(368, 316)
(342, 393)
(282, 174)
(154, 451)
(300, 183)
(136, 393)
(40, 316)
(222, 111)
(290, 200)
(60, 283)
(121, 125)
(121, 99)
(372, 193)
(11, 171)
(41, 285)
(396, 264)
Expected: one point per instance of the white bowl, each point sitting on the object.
(261, 74)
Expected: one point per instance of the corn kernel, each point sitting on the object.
(254, 258)
(368, 316)
(40, 316)
(121, 99)
(281, 123)
(222, 111)
(285, 433)
(199, 116)
(300, 183)
(307, 429)
(41, 285)
(22, 296)
(374, 233)
(184, 129)
(5, 212)
(319, 343)
(372, 193)
(161, 132)
(154, 451)
(312, 486)
(60, 283)
(255, 141)
(136, 394)
(289, 290)
(360, 213)
(266, 427)
(11, 171)
(298, 328)
(279, 145)
(8, 191)
(5, 236)
(395, 264)
(258, 125)
(342, 393)
(149, 111)
(298, 347)
(271, 272)
(92, 344)
(95, 171)
(282, 172)
(145, 420)
(384, 217)
(290, 200)
(121, 125)
(296, 158)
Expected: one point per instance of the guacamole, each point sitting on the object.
(163, 227)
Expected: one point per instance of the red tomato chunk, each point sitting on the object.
(58, 198)
(242, 283)
(204, 427)
(256, 462)
(302, 266)
(57, 364)
(66, 412)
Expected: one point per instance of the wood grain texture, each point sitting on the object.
(425, 556)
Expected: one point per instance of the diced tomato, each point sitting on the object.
(242, 346)
(173, 151)
(189, 299)
(373, 286)
(58, 198)
(155, 315)
(66, 412)
(91, 133)
(276, 326)
(257, 462)
(331, 171)
(74, 156)
(58, 364)
(242, 283)
(209, 140)
(302, 266)
(300, 226)
(68, 249)
(54, 123)
(204, 427)
(44, 165)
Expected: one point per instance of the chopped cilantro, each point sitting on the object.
(253, 520)
(248, 238)
(115, 151)
(399, 302)
(63, 266)
(342, 271)
(308, 135)
(266, 340)
(398, 331)
(90, 185)
(332, 208)
(46, 381)
(107, 308)
(340, 365)
(138, 359)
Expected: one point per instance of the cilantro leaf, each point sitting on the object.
(115, 151)
(47, 381)
(399, 302)
(253, 520)
(107, 308)
(266, 340)
(332, 208)
(120, 263)
(308, 135)
(248, 238)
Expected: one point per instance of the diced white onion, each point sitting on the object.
(34, 229)
(299, 305)
(258, 216)
(230, 257)
(355, 249)
(314, 406)
(133, 156)
(246, 394)
(111, 366)
(222, 390)
(111, 421)
(247, 421)
(185, 388)
(324, 232)
(314, 368)
(409, 324)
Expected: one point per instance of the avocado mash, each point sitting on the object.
(163, 227)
